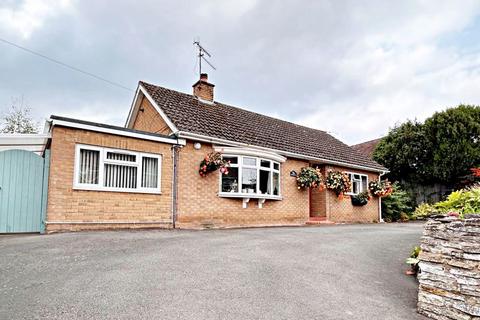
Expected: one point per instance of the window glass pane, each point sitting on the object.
(265, 163)
(249, 161)
(149, 172)
(118, 176)
(121, 156)
(276, 183)
(356, 176)
(276, 166)
(364, 183)
(89, 164)
(230, 181)
(355, 187)
(249, 180)
(265, 182)
(231, 160)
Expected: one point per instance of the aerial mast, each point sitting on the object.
(201, 56)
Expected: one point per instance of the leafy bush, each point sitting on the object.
(462, 201)
(465, 201)
(395, 204)
(423, 211)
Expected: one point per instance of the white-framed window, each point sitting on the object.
(107, 169)
(359, 182)
(251, 176)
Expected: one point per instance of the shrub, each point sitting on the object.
(461, 202)
(395, 204)
(423, 211)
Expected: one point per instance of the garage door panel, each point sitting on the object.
(21, 193)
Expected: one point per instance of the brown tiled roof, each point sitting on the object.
(222, 121)
(366, 148)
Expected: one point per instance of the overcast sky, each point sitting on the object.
(353, 68)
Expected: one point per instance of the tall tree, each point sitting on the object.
(18, 119)
(405, 152)
(441, 150)
(455, 137)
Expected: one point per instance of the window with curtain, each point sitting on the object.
(251, 176)
(116, 170)
(359, 182)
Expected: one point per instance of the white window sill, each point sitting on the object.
(248, 196)
(90, 188)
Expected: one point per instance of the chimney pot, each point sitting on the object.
(203, 89)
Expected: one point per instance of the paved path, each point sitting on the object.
(332, 272)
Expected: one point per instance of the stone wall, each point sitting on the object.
(450, 269)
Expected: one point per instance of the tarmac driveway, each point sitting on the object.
(331, 272)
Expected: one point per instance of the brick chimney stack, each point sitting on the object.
(203, 89)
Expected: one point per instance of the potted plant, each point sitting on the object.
(360, 199)
(212, 162)
(380, 188)
(338, 182)
(310, 178)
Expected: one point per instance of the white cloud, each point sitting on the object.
(30, 15)
(400, 71)
(352, 68)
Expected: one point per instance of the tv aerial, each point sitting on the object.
(201, 56)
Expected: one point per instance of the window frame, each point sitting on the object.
(349, 173)
(101, 169)
(258, 167)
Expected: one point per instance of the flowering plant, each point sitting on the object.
(380, 188)
(475, 172)
(338, 182)
(310, 178)
(360, 199)
(212, 162)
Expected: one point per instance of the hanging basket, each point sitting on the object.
(360, 199)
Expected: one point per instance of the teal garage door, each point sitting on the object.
(23, 191)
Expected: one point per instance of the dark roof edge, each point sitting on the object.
(111, 127)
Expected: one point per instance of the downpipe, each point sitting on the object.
(175, 155)
(380, 218)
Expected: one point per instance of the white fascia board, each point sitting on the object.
(250, 152)
(133, 107)
(199, 137)
(141, 91)
(117, 132)
(24, 139)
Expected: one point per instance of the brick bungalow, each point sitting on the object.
(146, 173)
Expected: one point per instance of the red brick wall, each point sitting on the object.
(68, 205)
(342, 210)
(200, 206)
